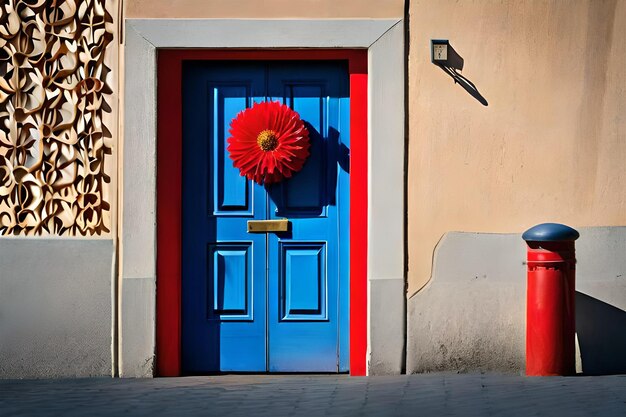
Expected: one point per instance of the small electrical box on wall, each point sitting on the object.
(439, 51)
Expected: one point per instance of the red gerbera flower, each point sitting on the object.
(268, 142)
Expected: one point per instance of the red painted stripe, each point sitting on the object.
(358, 223)
(169, 215)
(169, 194)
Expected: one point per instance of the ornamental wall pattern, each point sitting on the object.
(56, 136)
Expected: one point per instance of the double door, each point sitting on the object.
(260, 302)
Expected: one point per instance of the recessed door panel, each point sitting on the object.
(274, 301)
(308, 99)
(302, 281)
(233, 193)
(230, 273)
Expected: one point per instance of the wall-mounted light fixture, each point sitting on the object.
(445, 57)
(439, 51)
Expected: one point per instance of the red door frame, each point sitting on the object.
(169, 194)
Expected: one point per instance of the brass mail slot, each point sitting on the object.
(263, 226)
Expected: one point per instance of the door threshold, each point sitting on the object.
(266, 373)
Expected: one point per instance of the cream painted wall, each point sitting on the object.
(263, 9)
(550, 146)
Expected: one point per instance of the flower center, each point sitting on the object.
(267, 140)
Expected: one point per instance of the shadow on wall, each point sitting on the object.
(455, 62)
(601, 330)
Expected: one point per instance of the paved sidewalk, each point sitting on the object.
(318, 395)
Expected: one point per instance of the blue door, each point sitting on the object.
(258, 302)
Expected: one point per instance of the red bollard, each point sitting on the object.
(550, 300)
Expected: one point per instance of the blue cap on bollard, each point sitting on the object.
(550, 232)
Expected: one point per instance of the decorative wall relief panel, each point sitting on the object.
(55, 104)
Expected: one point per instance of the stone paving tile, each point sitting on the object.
(318, 395)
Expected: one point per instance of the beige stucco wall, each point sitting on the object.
(550, 146)
(263, 9)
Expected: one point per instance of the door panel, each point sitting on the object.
(308, 339)
(231, 278)
(223, 266)
(302, 281)
(233, 193)
(257, 302)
